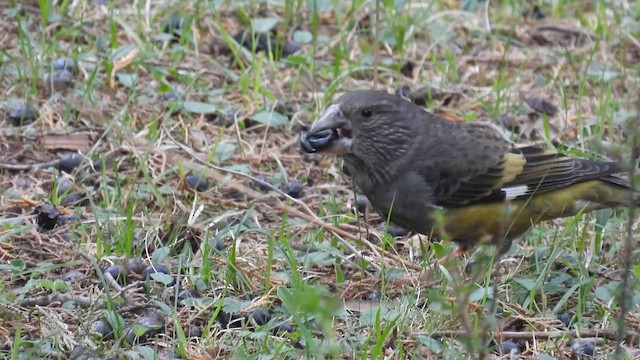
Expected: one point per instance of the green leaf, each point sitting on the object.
(318, 258)
(126, 79)
(470, 5)
(439, 250)
(297, 60)
(602, 72)
(624, 117)
(431, 343)
(557, 283)
(17, 265)
(607, 292)
(264, 25)
(319, 5)
(636, 270)
(163, 37)
(160, 254)
(46, 283)
(440, 30)
(198, 107)
(121, 52)
(223, 152)
(162, 278)
(60, 285)
(241, 168)
(53, 285)
(167, 190)
(302, 37)
(387, 35)
(146, 352)
(234, 306)
(526, 283)
(480, 294)
(370, 316)
(270, 118)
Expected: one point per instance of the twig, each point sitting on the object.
(136, 284)
(27, 167)
(121, 291)
(341, 232)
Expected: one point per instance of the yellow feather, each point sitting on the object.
(494, 222)
(513, 165)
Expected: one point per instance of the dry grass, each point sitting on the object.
(342, 286)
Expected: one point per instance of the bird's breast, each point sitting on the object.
(406, 200)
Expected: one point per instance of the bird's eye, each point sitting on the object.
(367, 113)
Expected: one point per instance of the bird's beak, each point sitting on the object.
(330, 134)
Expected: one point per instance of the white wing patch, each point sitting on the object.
(513, 192)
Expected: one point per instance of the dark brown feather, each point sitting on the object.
(410, 163)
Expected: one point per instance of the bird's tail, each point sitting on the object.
(613, 191)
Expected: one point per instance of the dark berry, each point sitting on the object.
(536, 13)
(135, 266)
(294, 189)
(157, 268)
(217, 244)
(22, 113)
(102, 329)
(262, 183)
(542, 106)
(375, 296)
(583, 347)
(117, 272)
(64, 63)
(565, 318)
(147, 326)
(508, 122)
(101, 162)
(73, 276)
(63, 185)
(260, 316)
(285, 327)
(318, 141)
(69, 161)
(291, 48)
(70, 199)
(508, 347)
(197, 182)
(82, 352)
(404, 91)
(59, 80)
(173, 25)
(188, 293)
(67, 219)
(397, 231)
(361, 203)
(170, 96)
(47, 216)
(229, 321)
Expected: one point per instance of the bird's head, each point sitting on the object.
(371, 125)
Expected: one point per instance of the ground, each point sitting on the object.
(155, 202)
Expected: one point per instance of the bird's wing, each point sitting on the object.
(520, 173)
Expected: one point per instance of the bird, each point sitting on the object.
(463, 181)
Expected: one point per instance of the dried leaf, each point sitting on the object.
(78, 141)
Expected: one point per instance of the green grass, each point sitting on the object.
(337, 303)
